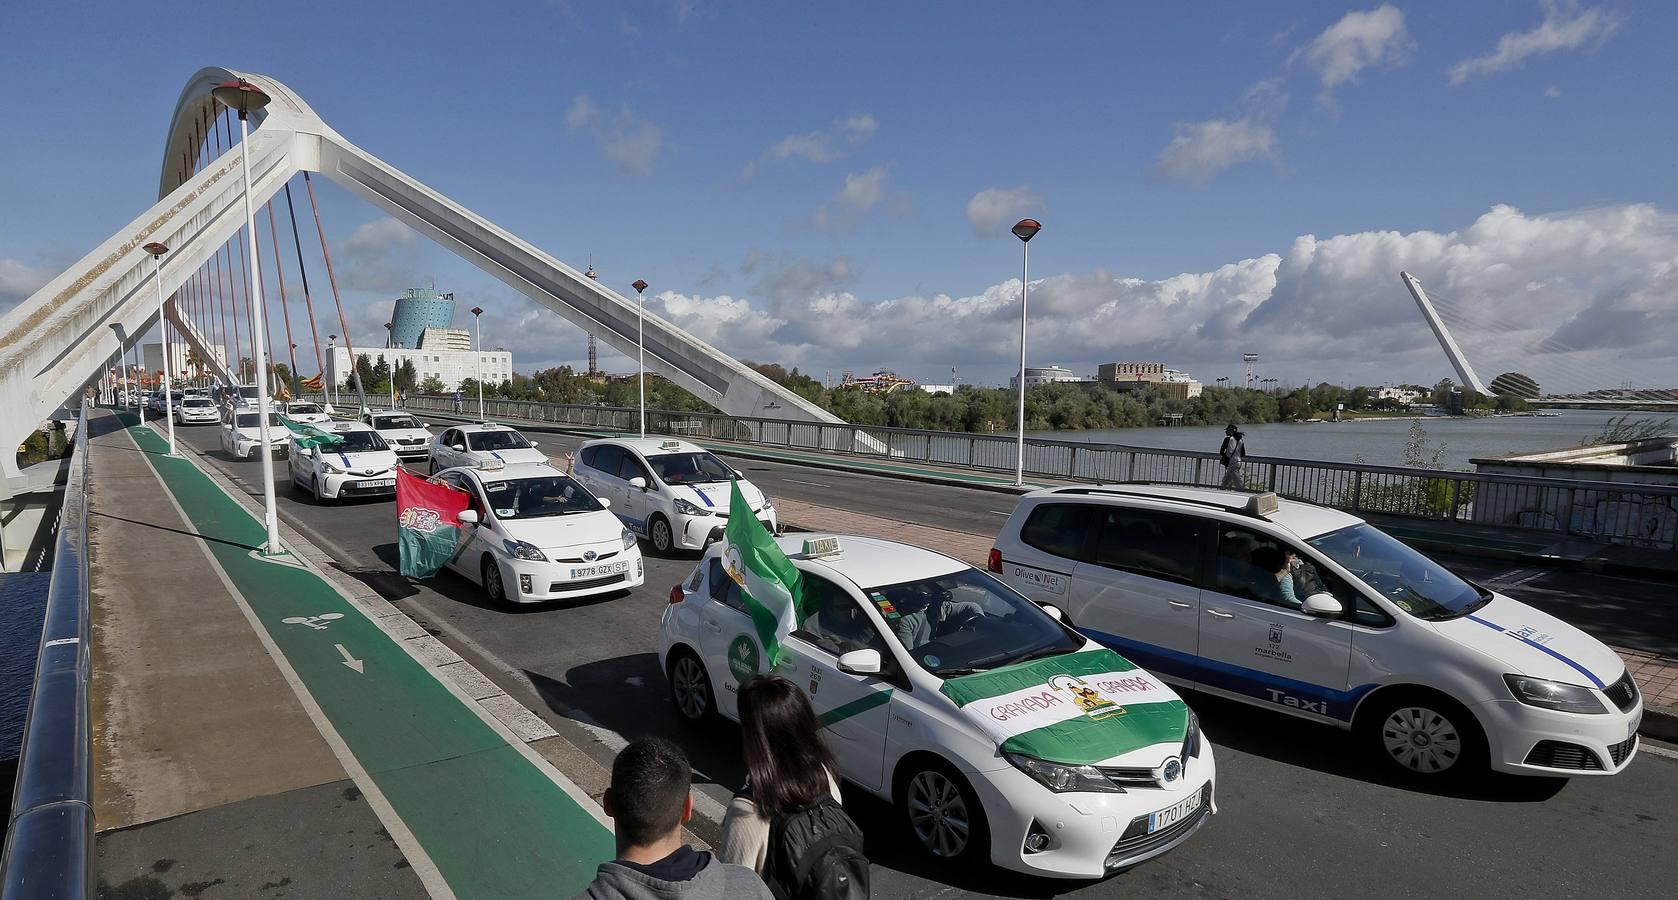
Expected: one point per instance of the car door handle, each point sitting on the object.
(1180, 604)
(712, 625)
(1220, 614)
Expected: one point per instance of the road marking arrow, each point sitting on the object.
(349, 660)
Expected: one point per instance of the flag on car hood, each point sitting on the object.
(768, 580)
(309, 436)
(428, 526)
(1076, 709)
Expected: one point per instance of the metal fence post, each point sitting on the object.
(1357, 490)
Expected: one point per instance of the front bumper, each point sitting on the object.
(247, 448)
(699, 532)
(346, 486)
(529, 581)
(1527, 740)
(1092, 835)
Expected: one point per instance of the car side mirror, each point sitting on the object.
(638, 482)
(605, 502)
(1323, 605)
(308, 451)
(535, 443)
(861, 662)
(467, 516)
(459, 448)
(425, 424)
(1053, 611)
(739, 474)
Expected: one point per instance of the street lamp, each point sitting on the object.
(157, 249)
(241, 96)
(640, 287)
(390, 339)
(478, 354)
(1025, 230)
(332, 354)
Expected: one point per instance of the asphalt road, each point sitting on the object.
(1302, 812)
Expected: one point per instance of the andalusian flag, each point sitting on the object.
(1076, 709)
(769, 581)
(309, 436)
(428, 526)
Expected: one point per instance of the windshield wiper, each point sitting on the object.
(956, 672)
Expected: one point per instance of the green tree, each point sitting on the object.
(431, 385)
(381, 372)
(363, 368)
(406, 376)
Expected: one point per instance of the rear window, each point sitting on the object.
(1058, 529)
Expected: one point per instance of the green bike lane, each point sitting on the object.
(492, 822)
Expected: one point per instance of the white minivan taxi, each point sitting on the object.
(999, 733)
(360, 464)
(536, 534)
(673, 493)
(1316, 613)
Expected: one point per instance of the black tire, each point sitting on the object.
(314, 490)
(655, 525)
(490, 571)
(1424, 734)
(938, 806)
(690, 687)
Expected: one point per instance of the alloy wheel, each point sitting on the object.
(661, 536)
(1422, 740)
(690, 687)
(938, 814)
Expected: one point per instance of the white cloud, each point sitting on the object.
(1201, 150)
(992, 210)
(1356, 42)
(1552, 92)
(628, 141)
(1565, 27)
(1603, 282)
(380, 256)
(822, 146)
(861, 194)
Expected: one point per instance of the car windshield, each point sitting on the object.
(248, 391)
(496, 440)
(968, 622)
(1414, 583)
(249, 420)
(536, 498)
(196, 403)
(689, 468)
(305, 409)
(358, 442)
(394, 422)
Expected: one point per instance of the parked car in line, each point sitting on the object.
(404, 433)
(673, 493)
(1314, 612)
(241, 433)
(469, 445)
(361, 464)
(305, 411)
(196, 411)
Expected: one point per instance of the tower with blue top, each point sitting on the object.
(416, 310)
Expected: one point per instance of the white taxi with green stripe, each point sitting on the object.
(1000, 733)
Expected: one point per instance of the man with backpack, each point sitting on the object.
(649, 800)
(1232, 453)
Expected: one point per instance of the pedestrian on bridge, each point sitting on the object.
(649, 801)
(457, 398)
(1232, 454)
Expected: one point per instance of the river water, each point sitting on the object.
(23, 597)
(1377, 441)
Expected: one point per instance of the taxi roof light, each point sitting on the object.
(491, 464)
(669, 445)
(815, 548)
(1263, 504)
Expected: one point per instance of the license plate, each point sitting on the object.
(1171, 815)
(382, 482)
(611, 568)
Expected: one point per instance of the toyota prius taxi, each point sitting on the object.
(999, 732)
(360, 464)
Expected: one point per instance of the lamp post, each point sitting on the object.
(478, 354)
(241, 96)
(1025, 230)
(390, 337)
(157, 249)
(332, 354)
(640, 287)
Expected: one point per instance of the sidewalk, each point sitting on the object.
(263, 733)
(1656, 676)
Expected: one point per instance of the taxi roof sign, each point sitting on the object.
(670, 445)
(491, 464)
(819, 547)
(1263, 504)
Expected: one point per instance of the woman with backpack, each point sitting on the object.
(787, 823)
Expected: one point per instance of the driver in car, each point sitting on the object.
(925, 611)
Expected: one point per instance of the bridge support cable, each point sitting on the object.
(303, 274)
(229, 300)
(279, 272)
(326, 255)
(238, 242)
(1553, 359)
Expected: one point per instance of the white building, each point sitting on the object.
(445, 339)
(1036, 375)
(937, 388)
(1402, 395)
(152, 357)
(448, 366)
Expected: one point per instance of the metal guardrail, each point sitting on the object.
(1641, 514)
(49, 844)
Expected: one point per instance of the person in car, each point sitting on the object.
(921, 615)
(1274, 568)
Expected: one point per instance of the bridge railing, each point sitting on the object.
(49, 844)
(1641, 514)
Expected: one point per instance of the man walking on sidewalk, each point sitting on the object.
(1231, 454)
(457, 400)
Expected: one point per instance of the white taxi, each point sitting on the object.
(1313, 612)
(536, 534)
(469, 445)
(673, 493)
(360, 464)
(193, 410)
(404, 433)
(241, 432)
(306, 412)
(1000, 733)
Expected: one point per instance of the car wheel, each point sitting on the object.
(1426, 735)
(314, 489)
(943, 813)
(690, 687)
(663, 541)
(492, 581)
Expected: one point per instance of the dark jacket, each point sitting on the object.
(715, 880)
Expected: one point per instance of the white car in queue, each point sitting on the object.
(241, 432)
(1316, 613)
(469, 445)
(306, 412)
(193, 410)
(673, 493)
(999, 733)
(361, 464)
(404, 433)
(536, 534)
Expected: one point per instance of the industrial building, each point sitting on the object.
(1130, 376)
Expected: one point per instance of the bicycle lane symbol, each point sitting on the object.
(318, 623)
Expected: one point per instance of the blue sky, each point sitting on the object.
(809, 184)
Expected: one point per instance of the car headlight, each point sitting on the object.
(689, 509)
(1546, 694)
(1191, 741)
(767, 504)
(628, 539)
(1063, 778)
(330, 469)
(523, 550)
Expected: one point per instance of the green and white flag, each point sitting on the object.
(309, 436)
(1076, 709)
(768, 580)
